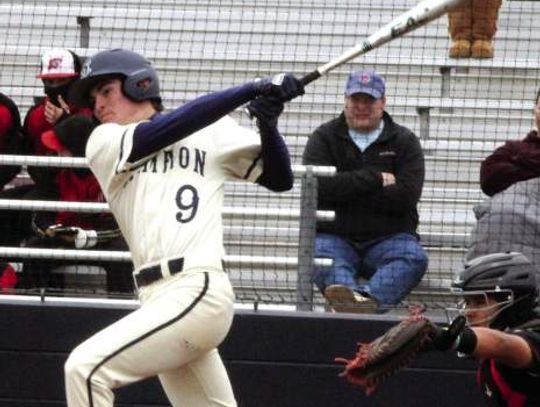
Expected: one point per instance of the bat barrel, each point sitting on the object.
(420, 15)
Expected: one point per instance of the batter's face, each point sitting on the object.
(363, 112)
(112, 106)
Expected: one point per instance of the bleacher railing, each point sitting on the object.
(306, 216)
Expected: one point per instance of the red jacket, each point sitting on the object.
(11, 141)
(516, 160)
(34, 126)
(76, 188)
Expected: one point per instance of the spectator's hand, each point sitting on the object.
(62, 232)
(78, 237)
(53, 113)
(283, 87)
(266, 109)
(388, 179)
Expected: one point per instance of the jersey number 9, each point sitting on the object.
(187, 200)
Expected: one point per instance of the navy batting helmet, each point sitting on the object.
(508, 277)
(133, 68)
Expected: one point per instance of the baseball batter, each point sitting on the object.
(163, 177)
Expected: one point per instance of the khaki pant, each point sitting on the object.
(472, 26)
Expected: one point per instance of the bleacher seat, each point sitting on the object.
(461, 109)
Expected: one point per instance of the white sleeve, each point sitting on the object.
(239, 149)
(107, 151)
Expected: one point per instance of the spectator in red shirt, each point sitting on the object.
(10, 143)
(60, 68)
(72, 229)
(516, 160)
(10, 137)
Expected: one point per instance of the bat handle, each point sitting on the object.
(310, 77)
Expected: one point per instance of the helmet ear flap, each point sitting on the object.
(141, 85)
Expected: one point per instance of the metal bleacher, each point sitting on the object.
(460, 109)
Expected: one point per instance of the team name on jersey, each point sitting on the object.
(193, 159)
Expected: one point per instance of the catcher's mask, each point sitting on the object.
(501, 287)
(140, 80)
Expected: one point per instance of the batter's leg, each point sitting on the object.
(202, 383)
(184, 322)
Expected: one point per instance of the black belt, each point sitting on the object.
(149, 275)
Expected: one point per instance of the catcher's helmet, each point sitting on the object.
(508, 277)
(127, 65)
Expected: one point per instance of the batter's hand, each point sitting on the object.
(266, 109)
(283, 87)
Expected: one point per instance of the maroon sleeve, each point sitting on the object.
(6, 121)
(513, 162)
(7, 173)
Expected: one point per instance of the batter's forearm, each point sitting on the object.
(197, 114)
(277, 173)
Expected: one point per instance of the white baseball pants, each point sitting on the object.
(174, 334)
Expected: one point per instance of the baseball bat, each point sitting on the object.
(418, 16)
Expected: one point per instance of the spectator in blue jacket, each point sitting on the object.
(377, 257)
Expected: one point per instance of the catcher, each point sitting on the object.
(500, 293)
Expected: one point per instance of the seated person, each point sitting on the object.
(516, 160)
(70, 229)
(380, 174)
(10, 137)
(59, 69)
(509, 221)
(11, 142)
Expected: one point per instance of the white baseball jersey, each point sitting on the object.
(169, 204)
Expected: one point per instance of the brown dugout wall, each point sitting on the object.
(274, 359)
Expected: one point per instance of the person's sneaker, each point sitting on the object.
(344, 299)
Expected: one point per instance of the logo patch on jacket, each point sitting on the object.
(387, 154)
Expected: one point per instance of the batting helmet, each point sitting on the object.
(509, 278)
(131, 67)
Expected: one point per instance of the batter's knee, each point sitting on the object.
(77, 366)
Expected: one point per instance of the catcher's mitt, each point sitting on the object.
(389, 353)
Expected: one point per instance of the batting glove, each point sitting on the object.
(266, 110)
(283, 87)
